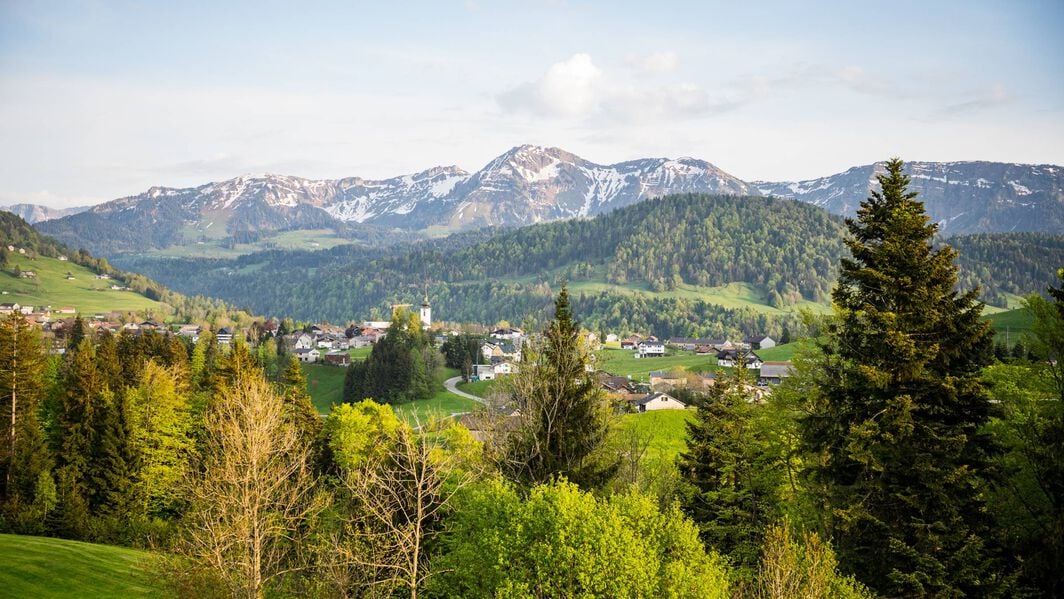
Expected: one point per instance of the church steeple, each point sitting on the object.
(426, 313)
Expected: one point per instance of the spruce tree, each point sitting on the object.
(893, 430)
(76, 439)
(299, 410)
(564, 415)
(22, 363)
(734, 478)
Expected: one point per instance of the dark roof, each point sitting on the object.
(733, 354)
(224, 331)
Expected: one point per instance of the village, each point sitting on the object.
(641, 390)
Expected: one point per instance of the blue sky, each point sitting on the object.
(104, 99)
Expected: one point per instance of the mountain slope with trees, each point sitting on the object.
(653, 266)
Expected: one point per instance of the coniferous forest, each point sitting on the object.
(902, 460)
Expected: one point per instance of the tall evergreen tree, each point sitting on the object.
(299, 410)
(77, 333)
(734, 477)
(76, 439)
(21, 391)
(893, 429)
(564, 416)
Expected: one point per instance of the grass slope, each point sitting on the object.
(85, 292)
(622, 362)
(43, 567)
(479, 388)
(666, 430)
(1011, 324)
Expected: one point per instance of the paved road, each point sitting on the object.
(452, 385)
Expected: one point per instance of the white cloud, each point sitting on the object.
(570, 88)
(655, 63)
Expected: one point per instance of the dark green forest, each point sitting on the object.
(787, 250)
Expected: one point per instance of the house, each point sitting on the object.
(26, 310)
(760, 342)
(688, 343)
(27, 274)
(9, 308)
(69, 276)
(730, 358)
(612, 338)
(657, 401)
(103, 277)
(224, 336)
(659, 378)
(617, 384)
(503, 368)
(63, 258)
(303, 341)
(773, 373)
(307, 355)
(338, 358)
(507, 333)
(66, 310)
(190, 331)
(631, 342)
(650, 349)
(485, 372)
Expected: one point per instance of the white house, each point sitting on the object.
(760, 342)
(658, 401)
(503, 368)
(485, 372)
(9, 308)
(650, 349)
(729, 358)
(304, 341)
(307, 355)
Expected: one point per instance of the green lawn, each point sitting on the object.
(667, 430)
(42, 567)
(479, 388)
(325, 384)
(85, 292)
(212, 247)
(622, 362)
(780, 353)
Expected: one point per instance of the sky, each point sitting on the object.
(100, 100)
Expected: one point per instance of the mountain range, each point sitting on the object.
(530, 184)
(35, 213)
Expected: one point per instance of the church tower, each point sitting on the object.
(426, 313)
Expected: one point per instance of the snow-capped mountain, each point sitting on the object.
(963, 197)
(35, 213)
(530, 184)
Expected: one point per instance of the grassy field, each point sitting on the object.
(667, 430)
(621, 362)
(479, 388)
(85, 292)
(780, 353)
(1012, 323)
(326, 387)
(311, 239)
(42, 568)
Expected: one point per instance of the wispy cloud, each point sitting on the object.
(986, 99)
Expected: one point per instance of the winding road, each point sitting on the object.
(451, 385)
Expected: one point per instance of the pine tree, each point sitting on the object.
(298, 408)
(76, 438)
(22, 363)
(893, 431)
(77, 333)
(114, 465)
(564, 416)
(734, 478)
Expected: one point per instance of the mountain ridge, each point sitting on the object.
(530, 184)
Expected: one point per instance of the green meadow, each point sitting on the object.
(84, 292)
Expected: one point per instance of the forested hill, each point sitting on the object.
(686, 264)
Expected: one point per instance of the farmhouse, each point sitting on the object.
(730, 358)
(224, 336)
(9, 308)
(760, 342)
(307, 355)
(657, 401)
(338, 358)
(773, 373)
(650, 349)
